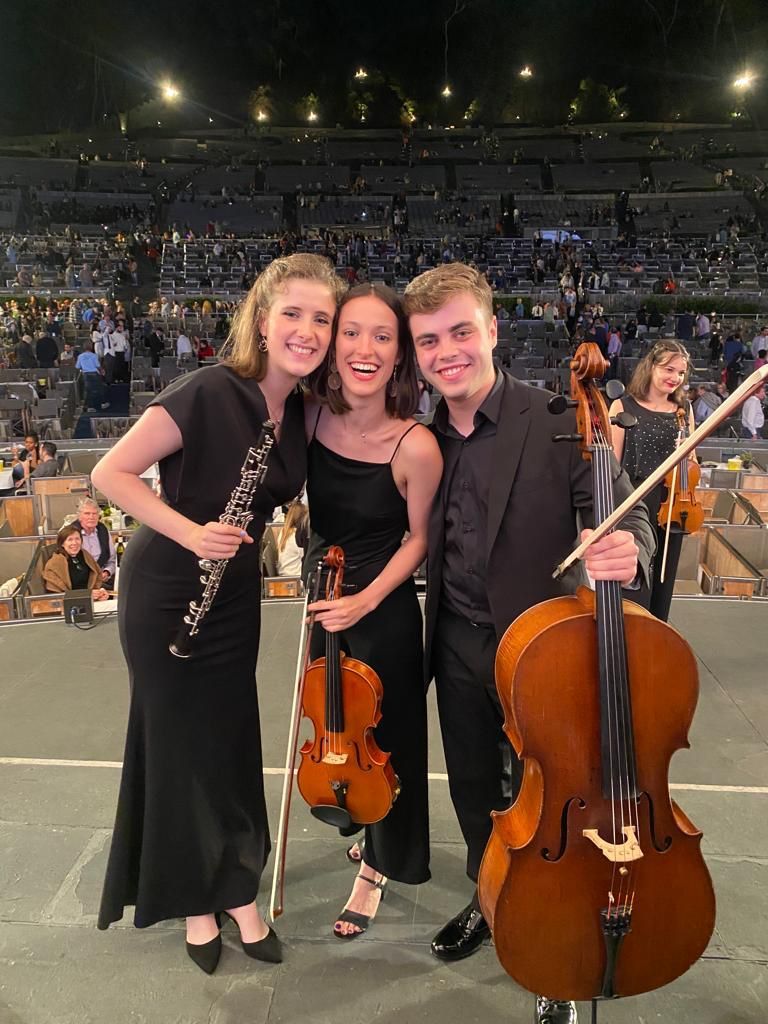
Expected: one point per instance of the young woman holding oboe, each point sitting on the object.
(191, 835)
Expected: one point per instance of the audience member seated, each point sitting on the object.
(26, 459)
(97, 541)
(71, 568)
(48, 465)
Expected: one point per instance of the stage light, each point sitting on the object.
(526, 72)
(170, 92)
(159, 124)
(262, 115)
(744, 81)
(447, 91)
(210, 120)
(360, 74)
(312, 115)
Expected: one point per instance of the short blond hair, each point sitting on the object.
(431, 290)
(241, 348)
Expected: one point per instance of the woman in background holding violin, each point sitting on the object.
(372, 474)
(656, 398)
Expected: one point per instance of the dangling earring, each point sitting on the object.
(262, 344)
(334, 377)
(392, 387)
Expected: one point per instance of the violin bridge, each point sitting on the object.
(331, 758)
(617, 853)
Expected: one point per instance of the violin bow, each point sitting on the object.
(670, 499)
(278, 875)
(710, 424)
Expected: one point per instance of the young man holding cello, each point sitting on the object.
(507, 511)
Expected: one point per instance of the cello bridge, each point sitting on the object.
(331, 758)
(617, 853)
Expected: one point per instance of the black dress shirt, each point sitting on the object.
(468, 471)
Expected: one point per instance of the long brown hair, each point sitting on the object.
(400, 406)
(296, 515)
(661, 353)
(241, 348)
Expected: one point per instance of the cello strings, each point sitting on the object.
(623, 699)
(604, 624)
(616, 665)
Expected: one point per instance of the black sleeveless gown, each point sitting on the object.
(191, 834)
(358, 506)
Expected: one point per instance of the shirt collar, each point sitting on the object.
(489, 410)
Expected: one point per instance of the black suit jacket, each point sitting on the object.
(540, 495)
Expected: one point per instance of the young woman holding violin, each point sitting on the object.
(372, 475)
(656, 398)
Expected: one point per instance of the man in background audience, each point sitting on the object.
(47, 466)
(97, 540)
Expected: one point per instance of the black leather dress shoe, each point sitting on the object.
(555, 1011)
(463, 934)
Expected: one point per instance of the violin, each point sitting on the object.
(343, 776)
(681, 506)
(593, 881)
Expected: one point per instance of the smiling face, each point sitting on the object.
(366, 346)
(454, 348)
(72, 543)
(667, 376)
(297, 327)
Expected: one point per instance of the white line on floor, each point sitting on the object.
(58, 762)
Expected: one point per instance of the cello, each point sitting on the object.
(593, 881)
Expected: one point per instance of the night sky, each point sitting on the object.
(65, 63)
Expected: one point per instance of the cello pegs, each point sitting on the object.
(625, 420)
(614, 389)
(559, 403)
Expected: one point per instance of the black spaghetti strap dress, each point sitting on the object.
(191, 834)
(358, 506)
(646, 445)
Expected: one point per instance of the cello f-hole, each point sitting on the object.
(545, 853)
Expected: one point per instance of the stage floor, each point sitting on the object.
(63, 702)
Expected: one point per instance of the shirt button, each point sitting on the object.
(470, 571)
(464, 485)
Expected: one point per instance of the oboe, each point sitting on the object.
(237, 513)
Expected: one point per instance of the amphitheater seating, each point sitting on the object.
(37, 173)
(498, 177)
(240, 216)
(308, 179)
(333, 211)
(419, 178)
(596, 177)
(674, 175)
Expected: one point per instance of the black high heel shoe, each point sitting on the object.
(268, 949)
(208, 955)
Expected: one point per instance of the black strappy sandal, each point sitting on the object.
(361, 921)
